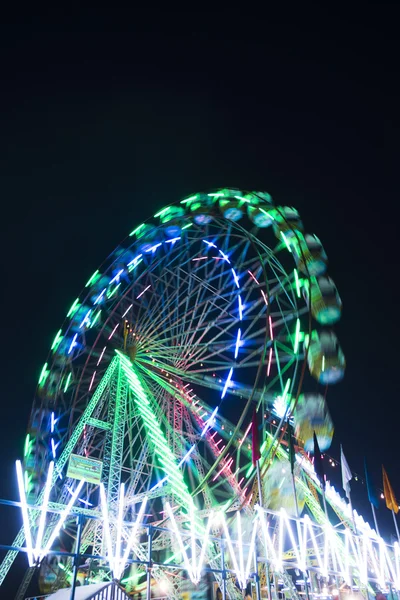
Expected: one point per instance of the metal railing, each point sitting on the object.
(110, 591)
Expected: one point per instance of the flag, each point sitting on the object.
(346, 473)
(292, 454)
(318, 466)
(390, 498)
(372, 497)
(255, 450)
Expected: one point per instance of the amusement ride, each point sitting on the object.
(203, 330)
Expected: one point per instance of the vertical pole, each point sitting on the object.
(375, 521)
(352, 515)
(76, 556)
(259, 483)
(256, 576)
(148, 582)
(223, 569)
(395, 524)
(305, 573)
(324, 502)
(295, 496)
(268, 580)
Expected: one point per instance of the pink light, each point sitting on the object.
(252, 276)
(127, 310)
(219, 441)
(101, 355)
(245, 435)
(269, 362)
(214, 434)
(240, 481)
(201, 258)
(141, 293)
(91, 382)
(271, 333)
(113, 331)
(223, 468)
(265, 297)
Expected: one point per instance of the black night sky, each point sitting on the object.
(106, 119)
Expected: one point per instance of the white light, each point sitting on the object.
(131, 540)
(224, 256)
(239, 573)
(119, 524)
(239, 333)
(235, 277)
(61, 520)
(240, 308)
(280, 407)
(127, 310)
(25, 515)
(106, 527)
(180, 542)
(164, 586)
(45, 504)
(227, 382)
(209, 422)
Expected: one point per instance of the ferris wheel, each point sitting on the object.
(217, 305)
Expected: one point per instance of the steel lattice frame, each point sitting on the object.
(207, 317)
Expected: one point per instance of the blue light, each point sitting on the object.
(86, 318)
(239, 333)
(135, 260)
(240, 308)
(209, 422)
(99, 297)
(209, 244)
(172, 240)
(116, 278)
(52, 422)
(224, 256)
(154, 248)
(188, 453)
(53, 448)
(73, 343)
(227, 382)
(235, 277)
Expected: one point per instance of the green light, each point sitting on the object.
(73, 308)
(161, 212)
(296, 278)
(92, 279)
(26, 446)
(134, 265)
(189, 199)
(249, 470)
(286, 242)
(216, 195)
(285, 391)
(155, 434)
(57, 340)
(67, 382)
(92, 324)
(137, 230)
(297, 337)
(263, 446)
(266, 213)
(110, 295)
(43, 374)
(186, 226)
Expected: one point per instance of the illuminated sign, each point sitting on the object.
(88, 469)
